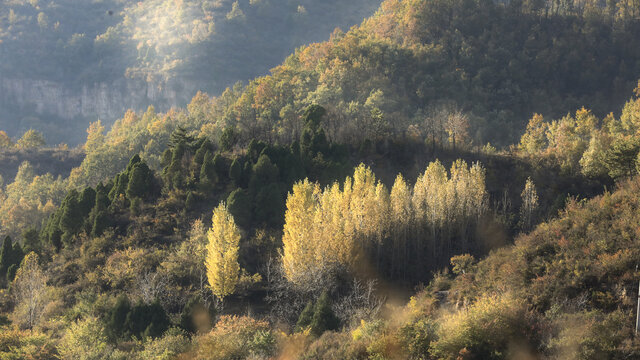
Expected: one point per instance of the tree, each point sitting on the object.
(324, 318)
(196, 316)
(299, 258)
(228, 139)
(457, 126)
(461, 264)
(29, 292)
(401, 218)
(222, 253)
(235, 172)
(534, 139)
(31, 139)
(140, 181)
(85, 339)
(31, 240)
(621, 157)
(240, 205)
(146, 321)
(115, 323)
(593, 161)
(5, 140)
(306, 317)
(6, 256)
(529, 204)
(95, 137)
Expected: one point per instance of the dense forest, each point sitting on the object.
(451, 179)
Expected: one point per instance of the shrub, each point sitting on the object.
(235, 337)
(484, 330)
(86, 340)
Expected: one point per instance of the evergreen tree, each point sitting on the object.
(264, 173)
(220, 165)
(324, 319)
(115, 323)
(240, 206)
(235, 172)
(621, 158)
(16, 254)
(194, 314)
(190, 202)
(140, 181)
(306, 317)
(101, 222)
(11, 272)
(199, 158)
(6, 256)
(269, 205)
(31, 240)
(146, 321)
(208, 170)
(228, 139)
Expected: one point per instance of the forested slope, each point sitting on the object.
(498, 63)
(295, 216)
(80, 51)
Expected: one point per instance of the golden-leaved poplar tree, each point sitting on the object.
(300, 256)
(222, 253)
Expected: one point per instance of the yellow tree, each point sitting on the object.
(401, 215)
(222, 253)
(534, 139)
(335, 242)
(299, 253)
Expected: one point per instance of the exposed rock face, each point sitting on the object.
(106, 101)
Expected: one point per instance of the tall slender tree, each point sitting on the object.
(222, 253)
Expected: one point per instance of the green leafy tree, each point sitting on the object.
(31, 139)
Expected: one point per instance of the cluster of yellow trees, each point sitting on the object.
(361, 222)
(583, 143)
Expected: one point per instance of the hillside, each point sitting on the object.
(69, 63)
(57, 162)
(413, 60)
(567, 290)
(450, 179)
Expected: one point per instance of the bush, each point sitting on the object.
(86, 340)
(484, 330)
(235, 337)
(167, 347)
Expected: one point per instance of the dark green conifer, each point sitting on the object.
(6, 258)
(323, 317)
(235, 172)
(306, 317)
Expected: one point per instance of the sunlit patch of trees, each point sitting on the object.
(403, 233)
(598, 148)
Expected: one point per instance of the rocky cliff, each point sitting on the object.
(30, 101)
